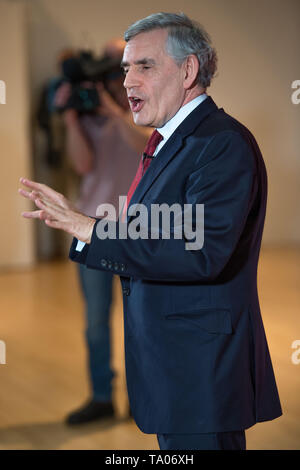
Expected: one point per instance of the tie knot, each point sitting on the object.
(153, 142)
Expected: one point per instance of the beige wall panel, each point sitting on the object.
(17, 235)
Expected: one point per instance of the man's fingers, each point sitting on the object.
(43, 189)
(52, 209)
(56, 210)
(35, 195)
(39, 199)
(47, 203)
(55, 224)
(30, 184)
(45, 212)
(35, 215)
(30, 195)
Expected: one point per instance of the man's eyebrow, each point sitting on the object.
(144, 61)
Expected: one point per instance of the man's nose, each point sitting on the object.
(131, 79)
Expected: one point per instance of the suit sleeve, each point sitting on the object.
(78, 256)
(226, 185)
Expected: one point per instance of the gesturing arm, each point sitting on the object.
(226, 185)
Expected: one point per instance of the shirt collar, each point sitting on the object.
(167, 130)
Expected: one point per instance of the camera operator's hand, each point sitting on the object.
(78, 148)
(57, 211)
(108, 106)
(136, 136)
(62, 95)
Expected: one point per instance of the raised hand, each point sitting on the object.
(56, 210)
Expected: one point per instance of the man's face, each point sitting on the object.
(154, 82)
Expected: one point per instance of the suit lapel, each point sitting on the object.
(172, 147)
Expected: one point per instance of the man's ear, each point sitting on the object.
(191, 69)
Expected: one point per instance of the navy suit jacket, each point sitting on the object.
(197, 359)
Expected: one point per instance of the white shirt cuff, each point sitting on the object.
(79, 245)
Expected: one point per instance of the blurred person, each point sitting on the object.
(50, 160)
(104, 147)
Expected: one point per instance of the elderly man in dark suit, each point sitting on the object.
(198, 366)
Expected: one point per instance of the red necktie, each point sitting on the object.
(145, 161)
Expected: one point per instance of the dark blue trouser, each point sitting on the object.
(97, 290)
(235, 440)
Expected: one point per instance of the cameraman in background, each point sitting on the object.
(104, 147)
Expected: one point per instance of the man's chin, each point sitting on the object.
(139, 120)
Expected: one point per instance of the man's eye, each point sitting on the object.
(125, 71)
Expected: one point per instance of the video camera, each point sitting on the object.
(86, 68)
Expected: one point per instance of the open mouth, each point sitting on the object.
(136, 103)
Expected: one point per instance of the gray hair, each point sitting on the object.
(185, 37)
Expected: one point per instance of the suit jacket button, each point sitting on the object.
(126, 291)
(122, 267)
(103, 263)
(116, 266)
